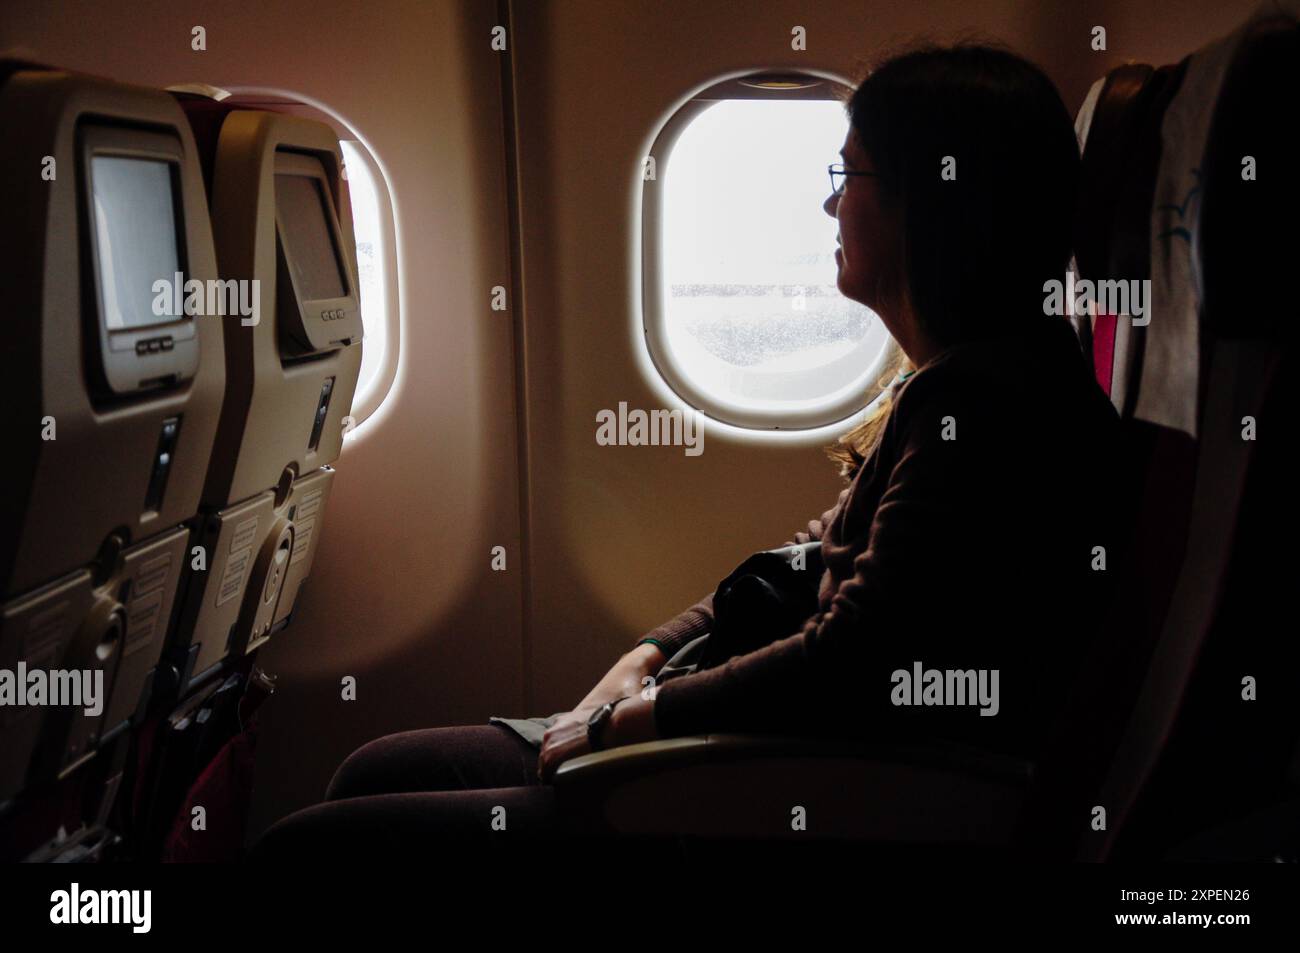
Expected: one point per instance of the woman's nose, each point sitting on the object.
(831, 204)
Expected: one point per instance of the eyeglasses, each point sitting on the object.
(839, 176)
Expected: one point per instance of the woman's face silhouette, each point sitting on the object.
(869, 258)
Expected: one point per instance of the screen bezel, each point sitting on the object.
(304, 326)
(124, 369)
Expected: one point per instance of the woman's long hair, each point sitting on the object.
(977, 151)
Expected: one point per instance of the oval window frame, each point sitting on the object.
(751, 84)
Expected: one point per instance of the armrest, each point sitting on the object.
(632, 760)
(751, 786)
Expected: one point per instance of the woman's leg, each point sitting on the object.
(388, 826)
(420, 789)
(460, 758)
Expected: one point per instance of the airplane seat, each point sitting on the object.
(1184, 383)
(282, 229)
(1178, 383)
(105, 200)
(282, 226)
(1119, 127)
(1225, 761)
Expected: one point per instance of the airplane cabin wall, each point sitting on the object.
(610, 540)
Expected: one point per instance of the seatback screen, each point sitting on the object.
(305, 230)
(135, 237)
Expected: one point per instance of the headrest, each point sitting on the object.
(1119, 131)
(1156, 144)
(1120, 157)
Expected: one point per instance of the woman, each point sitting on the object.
(969, 537)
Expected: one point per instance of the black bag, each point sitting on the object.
(766, 598)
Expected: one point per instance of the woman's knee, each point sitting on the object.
(370, 769)
(435, 759)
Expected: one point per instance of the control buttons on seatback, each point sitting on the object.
(322, 412)
(162, 464)
(154, 345)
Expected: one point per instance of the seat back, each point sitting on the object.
(1225, 752)
(1187, 462)
(283, 228)
(116, 393)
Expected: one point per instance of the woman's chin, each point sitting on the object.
(844, 282)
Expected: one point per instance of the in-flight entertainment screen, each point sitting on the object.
(135, 235)
(308, 237)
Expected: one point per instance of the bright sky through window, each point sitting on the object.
(752, 312)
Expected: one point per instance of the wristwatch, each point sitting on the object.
(599, 718)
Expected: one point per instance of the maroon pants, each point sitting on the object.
(415, 790)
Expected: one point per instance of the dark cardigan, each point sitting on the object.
(965, 541)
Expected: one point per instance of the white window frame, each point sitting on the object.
(654, 326)
(368, 398)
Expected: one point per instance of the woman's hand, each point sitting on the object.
(565, 739)
(633, 721)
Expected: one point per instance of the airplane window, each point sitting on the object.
(743, 317)
(372, 228)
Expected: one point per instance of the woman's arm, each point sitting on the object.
(916, 534)
(634, 720)
(625, 678)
